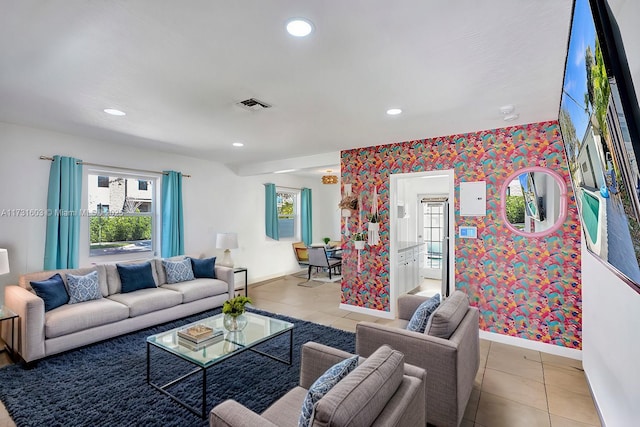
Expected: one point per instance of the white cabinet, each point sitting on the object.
(408, 267)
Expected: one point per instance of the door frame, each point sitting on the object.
(394, 180)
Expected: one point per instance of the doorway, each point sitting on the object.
(420, 218)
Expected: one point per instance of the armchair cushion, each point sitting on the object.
(361, 396)
(421, 316)
(445, 320)
(322, 386)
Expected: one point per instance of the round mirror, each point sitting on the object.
(534, 201)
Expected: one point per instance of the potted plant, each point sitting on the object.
(358, 240)
(326, 241)
(233, 310)
(373, 229)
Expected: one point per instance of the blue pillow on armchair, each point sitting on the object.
(204, 268)
(135, 276)
(421, 316)
(52, 291)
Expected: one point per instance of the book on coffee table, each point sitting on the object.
(193, 346)
(198, 333)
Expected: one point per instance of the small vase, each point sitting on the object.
(234, 323)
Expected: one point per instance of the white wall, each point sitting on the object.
(214, 199)
(610, 308)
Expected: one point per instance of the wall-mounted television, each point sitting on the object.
(599, 120)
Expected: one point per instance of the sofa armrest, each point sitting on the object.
(316, 359)
(30, 308)
(231, 414)
(226, 275)
(408, 304)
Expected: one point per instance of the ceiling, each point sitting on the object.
(179, 68)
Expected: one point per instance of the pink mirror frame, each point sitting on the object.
(562, 216)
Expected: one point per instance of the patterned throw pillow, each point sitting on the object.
(178, 271)
(322, 386)
(83, 288)
(420, 317)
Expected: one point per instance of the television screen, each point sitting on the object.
(597, 121)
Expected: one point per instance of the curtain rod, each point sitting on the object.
(114, 167)
(282, 186)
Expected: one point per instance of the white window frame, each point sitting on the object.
(156, 182)
(297, 226)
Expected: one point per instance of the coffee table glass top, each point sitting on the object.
(259, 329)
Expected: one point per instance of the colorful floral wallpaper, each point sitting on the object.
(524, 287)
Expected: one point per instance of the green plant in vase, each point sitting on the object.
(358, 240)
(233, 310)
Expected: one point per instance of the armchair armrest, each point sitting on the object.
(316, 359)
(232, 414)
(30, 308)
(226, 275)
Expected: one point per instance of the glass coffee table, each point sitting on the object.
(259, 329)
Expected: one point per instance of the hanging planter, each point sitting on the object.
(358, 244)
(373, 230)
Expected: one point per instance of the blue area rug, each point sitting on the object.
(104, 384)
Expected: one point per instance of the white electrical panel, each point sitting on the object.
(473, 198)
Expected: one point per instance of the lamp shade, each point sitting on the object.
(4, 261)
(227, 241)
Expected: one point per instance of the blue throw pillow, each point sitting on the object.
(322, 386)
(52, 291)
(204, 268)
(135, 276)
(83, 288)
(178, 271)
(420, 317)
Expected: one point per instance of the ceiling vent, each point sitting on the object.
(253, 104)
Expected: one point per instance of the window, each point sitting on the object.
(433, 233)
(121, 214)
(288, 216)
(103, 181)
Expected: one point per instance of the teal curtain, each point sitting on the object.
(172, 216)
(62, 243)
(271, 211)
(305, 216)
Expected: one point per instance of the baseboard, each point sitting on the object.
(369, 311)
(557, 350)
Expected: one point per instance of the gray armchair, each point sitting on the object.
(318, 258)
(381, 391)
(452, 362)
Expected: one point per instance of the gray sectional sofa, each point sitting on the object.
(41, 334)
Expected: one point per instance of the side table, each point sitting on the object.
(246, 280)
(6, 314)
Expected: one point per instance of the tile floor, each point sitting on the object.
(514, 387)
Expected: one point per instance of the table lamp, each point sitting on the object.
(227, 241)
(4, 261)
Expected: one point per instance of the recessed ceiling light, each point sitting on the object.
(299, 27)
(238, 144)
(511, 117)
(285, 171)
(114, 112)
(507, 109)
(394, 111)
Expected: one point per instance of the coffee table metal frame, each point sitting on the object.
(202, 367)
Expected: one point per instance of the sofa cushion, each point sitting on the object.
(418, 321)
(52, 291)
(71, 318)
(445, 320)
(284, 412)
(178, 271)
(198, 289)
(113, 277)
(134, 277)
(322, 385)
(147, 300)
(361, 396)
(204, 268)
(83, 288)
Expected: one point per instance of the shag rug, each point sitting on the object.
(105, 384)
